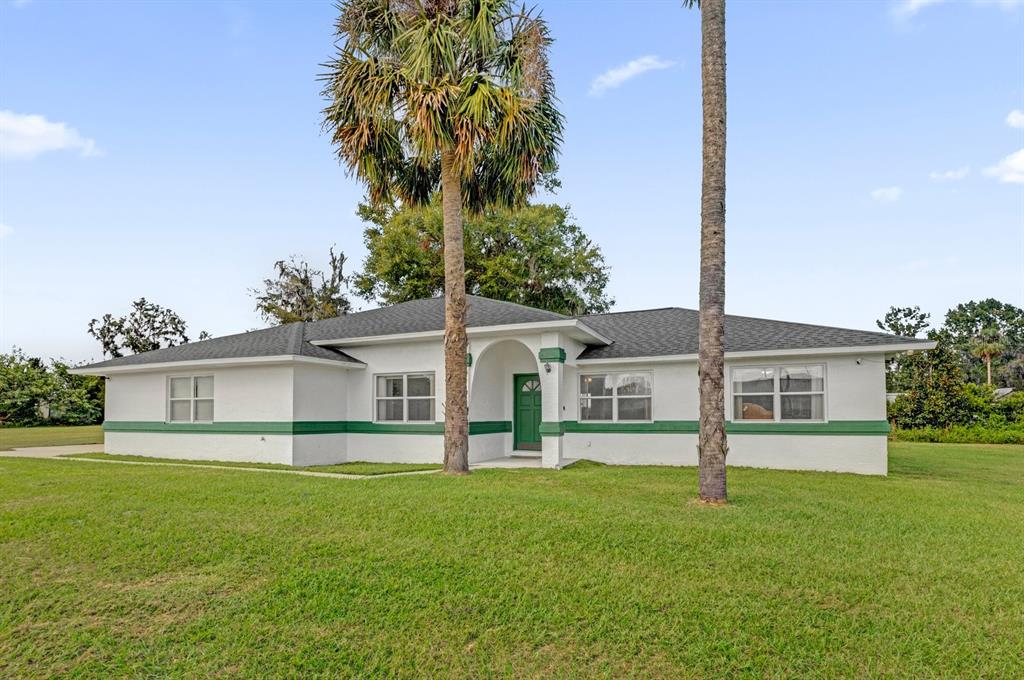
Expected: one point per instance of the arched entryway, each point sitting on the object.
(505, 401)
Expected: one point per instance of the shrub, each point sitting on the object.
(962, 434)
(33, 393)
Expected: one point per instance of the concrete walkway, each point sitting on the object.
(515, 462)
(51, 451)
(58, 453)
(304, 473)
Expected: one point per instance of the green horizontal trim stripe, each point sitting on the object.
(201, 428)
(835, 427)
(302, 427)
(490, 426)
(367, 427)
(556, 354)
(547, 429)
(838, 427)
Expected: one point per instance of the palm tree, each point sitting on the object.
(712, 445)
(985, 346)
(449, 95)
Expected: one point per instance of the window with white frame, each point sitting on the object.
(778, 393)
(405, 398)
(616, 397)
(190, 399)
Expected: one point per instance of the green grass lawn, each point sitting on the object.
(353, 468)
(20, 437)
(589, 571)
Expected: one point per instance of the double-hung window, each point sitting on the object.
(778, 393)
(615, 397)
(190, 399)
(405, 398)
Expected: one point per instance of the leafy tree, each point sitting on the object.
(987, 345)
(1011, 374)
(301, 293)
(936, 394)
(453, 96)
(23, 384)
(712, 445)
(967, 322)
(536, 256)
(905, 321)
(32, 393)
(147, 327)
(73, 399)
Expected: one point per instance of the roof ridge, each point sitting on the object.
(518, 304)
(298, 334)
(635, 311)
(818, 325)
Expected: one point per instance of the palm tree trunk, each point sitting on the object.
(712, 446)
(988, 369)
(456, 406)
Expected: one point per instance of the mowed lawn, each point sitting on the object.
(590, 571)
(21, 437)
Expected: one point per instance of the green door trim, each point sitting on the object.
(517, 381)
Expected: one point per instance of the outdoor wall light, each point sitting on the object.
(547, 368)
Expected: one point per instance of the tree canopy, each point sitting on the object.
(905, 321)
(147, 327)
(416, 79)
(301, 293)
(33, 393)
(536, 256)
(999, 326)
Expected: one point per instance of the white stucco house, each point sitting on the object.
(618, 388)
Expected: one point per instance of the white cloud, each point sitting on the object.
(612, 78)
(1015, 118)
(949, 175)
(1010, 169)
(1003, 4)
(904, 9)
(5, 230)
(887, 194)
(26, 136)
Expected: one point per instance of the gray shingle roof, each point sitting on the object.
(652, 332)
(424, 315)
(290, 339)
(295, 339)
(662, 332)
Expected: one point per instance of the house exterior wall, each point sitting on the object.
(241, 395)
(854, 397)
(309, 414)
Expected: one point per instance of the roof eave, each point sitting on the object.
(888, 350)
(215, 363)
(574, 328)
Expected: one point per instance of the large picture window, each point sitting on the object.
(405, 398)
(778, 393)
(190, 399)
(616, 397)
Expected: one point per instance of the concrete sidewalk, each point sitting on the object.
(51, 451)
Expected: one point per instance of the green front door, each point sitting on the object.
(527, 412)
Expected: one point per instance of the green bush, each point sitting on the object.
(962, 434)
(34, 393)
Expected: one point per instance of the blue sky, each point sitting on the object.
(173, 151)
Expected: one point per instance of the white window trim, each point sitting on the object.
(191, 399)
(777, 393)
(405, 395)
(614, 397)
